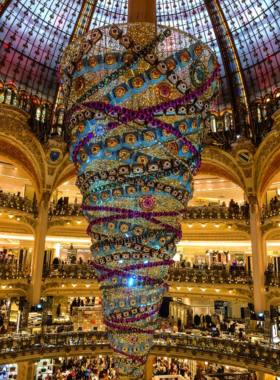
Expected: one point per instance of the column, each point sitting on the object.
(257, 256)
(142, 11)
(39, 252)
(26, 370)
(149, 367)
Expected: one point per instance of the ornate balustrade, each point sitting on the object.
(175, 274)
(69, 271)
(16, 202)
(271, 210)
(72, 209)
(50, 345)
(272, 278)
(217, 213)
(12, 271)
(218, 276)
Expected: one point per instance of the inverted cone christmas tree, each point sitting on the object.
(138, 100)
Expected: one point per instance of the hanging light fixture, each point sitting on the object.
(133, 97)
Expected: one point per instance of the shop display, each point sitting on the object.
(136, 143)
(13, 312)
(87, 318)
(44, 368)
(8, 372)
(35, 322)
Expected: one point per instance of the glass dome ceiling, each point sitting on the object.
(243, 33)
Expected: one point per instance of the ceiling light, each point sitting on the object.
(87, 286)
(3, 286)
(63, 285)
(203, 289)
(190, 289)
(10, 287)
(79, 221)
(190, 225)
(68, 223)
(229, 226)
(74, 285)
(217, 290)
(230, 291)
(11, 216)
(217, 225)
(203, 225)
(178, 288)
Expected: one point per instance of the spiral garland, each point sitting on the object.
(138, 99)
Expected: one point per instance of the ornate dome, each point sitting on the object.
(243, 34)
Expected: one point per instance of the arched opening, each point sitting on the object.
(17, 219)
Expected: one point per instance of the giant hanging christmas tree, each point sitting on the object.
(138, 99)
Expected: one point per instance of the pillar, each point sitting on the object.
(26, 370)
(257, 256)
(149, 367)
(142, 11)
(38, 253)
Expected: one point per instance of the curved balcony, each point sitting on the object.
(238, 275)
(18, 203)
(272, 278)
(203, 275)
(216, 212)
(71, 209)
(227, 351)
(69, 271)
(11, 271)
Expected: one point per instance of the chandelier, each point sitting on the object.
(138, 98)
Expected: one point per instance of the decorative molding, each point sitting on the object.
(27, 150)
(220, 158)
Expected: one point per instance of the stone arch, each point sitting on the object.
(217, 162)
(20, 146)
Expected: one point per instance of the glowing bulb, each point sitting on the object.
(120, 261)
(203, 225)
(217, 290)
(217, 225)
(87, 286)
(203, 289)
(178, 288)
(190, 289)
(130, 282)
(146, 261)
(190, 225)
(79, 221)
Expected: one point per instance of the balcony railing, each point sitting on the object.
(233, 349)
(12, 271)
(72, 209)
(218, 276)
(69, 271)
(216, 212)
(272, 278)
(18, 203)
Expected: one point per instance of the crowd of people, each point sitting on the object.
(83, 369)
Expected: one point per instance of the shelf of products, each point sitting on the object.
(35, 322)
(44, 368)
(87, 318)
(8, 371)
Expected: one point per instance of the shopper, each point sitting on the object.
(179, 324)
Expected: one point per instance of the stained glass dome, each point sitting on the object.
(243, 33)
